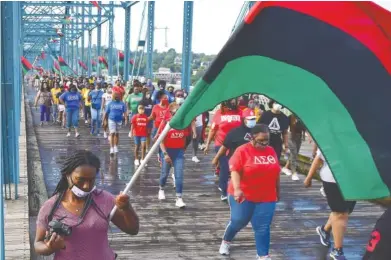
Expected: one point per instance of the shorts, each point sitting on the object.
(139, 139)
(114, 126)
(61, 108)
(335, 199)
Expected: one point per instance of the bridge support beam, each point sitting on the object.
(150, 38)
(99, 38)
(89, 46)
(111, 41)
(128, 13)
(186, 50)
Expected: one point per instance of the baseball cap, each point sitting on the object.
(249, 114)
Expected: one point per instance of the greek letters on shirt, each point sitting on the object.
(230, 118)
(248, 137)
(264, 160)
(274, 126)
(141, 121)
(115, 106)
(72, 97)
(177, 135)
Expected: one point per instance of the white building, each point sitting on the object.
(167, 75)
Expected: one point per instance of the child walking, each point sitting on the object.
(139, 129)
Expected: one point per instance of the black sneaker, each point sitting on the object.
(324, 236)
(337, 254)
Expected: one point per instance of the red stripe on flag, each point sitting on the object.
(356, 20)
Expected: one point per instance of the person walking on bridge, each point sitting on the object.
(73, 102)
(95, 98)
(173, 149)
(253, 191)
(77, 204)
(44, 99)
(340, 208)
(227, 118)
(115, 112)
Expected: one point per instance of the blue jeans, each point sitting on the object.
(95, 118)
(224, 172)
(72, 117)
(178, 160)
(139, 139)
(259, 213)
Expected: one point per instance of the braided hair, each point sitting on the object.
(78, 158)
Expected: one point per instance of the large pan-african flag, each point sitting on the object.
(327, 62)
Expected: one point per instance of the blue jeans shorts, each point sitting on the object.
(139, 139)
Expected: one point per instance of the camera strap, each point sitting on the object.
(87, 205)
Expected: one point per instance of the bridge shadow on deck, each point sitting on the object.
(195, 233)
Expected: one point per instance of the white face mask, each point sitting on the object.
(79, 192)
(277, 107)
(179, 100)
(250, 123)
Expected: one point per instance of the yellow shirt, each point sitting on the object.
(84, 94)
(54, 95)
(257, 113)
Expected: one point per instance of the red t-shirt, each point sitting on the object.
(175, 139)
(159, 114)
(168, 116)
(120, 90)
(259, 171)
(139, 123)
(223, 123)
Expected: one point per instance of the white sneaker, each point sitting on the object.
(223, 198)
(104, 134)
(115, 149)
(143, 161)
(130, 134)
(295, 177)
(136, 163)
(162, 195)
(111, 150)
(266, 257)
(68, 134)
(286, 171)
(86, 122)
(224, 248)
(322, 192)
(179, 203)
(195, 159)
(77, 135)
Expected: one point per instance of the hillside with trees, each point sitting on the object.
(169, 59)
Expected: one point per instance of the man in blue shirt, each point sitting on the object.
(162, 86)
(73, 102)
(115, 112)
(95, 97)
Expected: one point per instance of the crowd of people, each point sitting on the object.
(248, 140)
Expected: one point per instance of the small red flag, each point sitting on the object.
(95, 3)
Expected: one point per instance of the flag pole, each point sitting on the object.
(142, 165)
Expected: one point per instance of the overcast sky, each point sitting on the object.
(213, 21)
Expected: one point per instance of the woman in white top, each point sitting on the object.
(196, 140)
(340, 208)
(106, 99)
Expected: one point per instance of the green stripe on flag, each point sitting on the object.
(311, 99)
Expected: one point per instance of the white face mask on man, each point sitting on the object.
(179, 100)
(277, 106)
